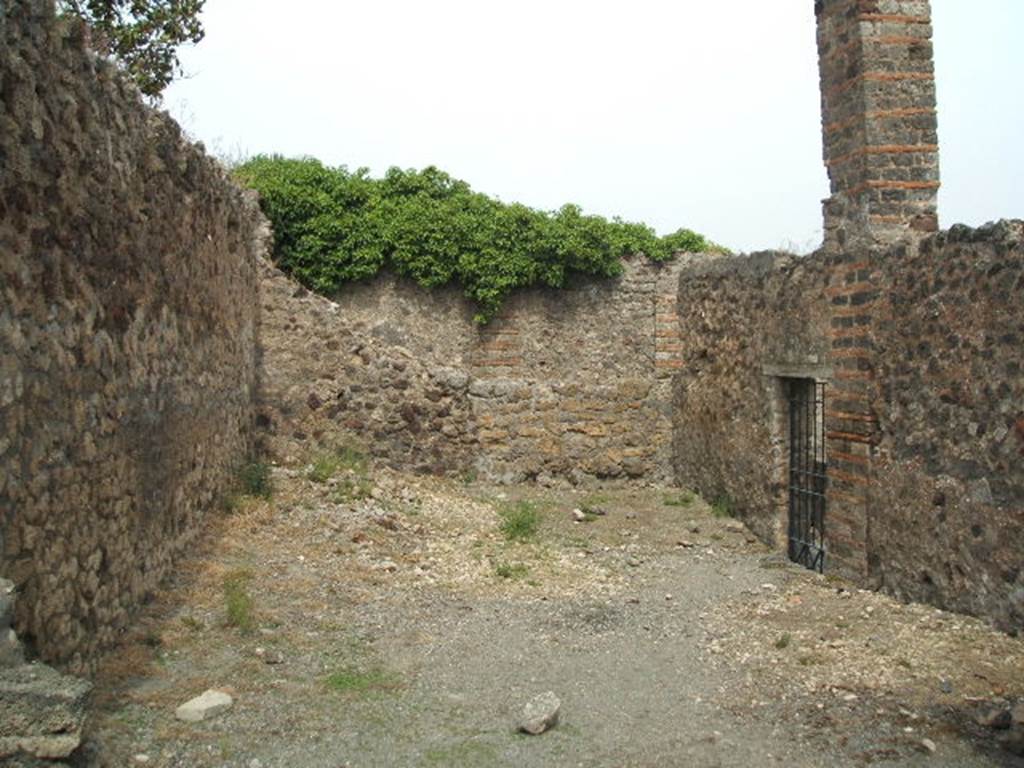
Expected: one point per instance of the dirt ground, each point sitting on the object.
(374, 619)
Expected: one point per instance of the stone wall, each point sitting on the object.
(947, 507)
(128, 327)
(743, 320)
(569, 384)
(920, 348)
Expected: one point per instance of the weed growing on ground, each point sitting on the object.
(350, 680)
(352, 489)
(327, 465)
(237, 601)
(722, 507)
(254, 480)
(511, 571)
(519, 520)
(323, 468)
(192, 624)
(681, 499)
(595, 500)
(784, 641)
(462, 753)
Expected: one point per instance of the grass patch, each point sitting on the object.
(465, 753)
(722, 506)
(192, 624)
(327, 465)
(351, 680)
(681, 499)
(595, 500)
(579, 542)
(352, 489)
(519, 520)
(784, 641)
(238, 604)
(254, 480)
(810, 660)
(512, 571)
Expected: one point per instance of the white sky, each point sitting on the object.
(696, 114)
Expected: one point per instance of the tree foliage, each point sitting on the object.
(143, 35)
(332, 226)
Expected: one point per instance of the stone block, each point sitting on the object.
(41, 713)
(208, 704)
(540, 714)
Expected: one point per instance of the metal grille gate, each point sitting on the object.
(807, 472)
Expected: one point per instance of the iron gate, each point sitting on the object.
(807, 472)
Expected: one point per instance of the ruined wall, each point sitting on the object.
(127, 337)
(742, 319)
(917, 338)
(947, 506)
(570, 384)
(920, 347)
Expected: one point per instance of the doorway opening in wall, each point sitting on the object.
(808, 471)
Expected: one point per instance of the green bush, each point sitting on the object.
(238, 602)
(722, 506)
(254, 480)
(333, 226)
(519, 520)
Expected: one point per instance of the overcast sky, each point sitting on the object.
(695, 114)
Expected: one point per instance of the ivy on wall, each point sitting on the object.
(333, 226)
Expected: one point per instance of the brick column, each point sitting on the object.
(878, 120)
(668, 345)
(851, 424)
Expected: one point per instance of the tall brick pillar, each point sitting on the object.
(878, 120)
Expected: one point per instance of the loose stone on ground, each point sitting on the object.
(540, 714)
(208, 704)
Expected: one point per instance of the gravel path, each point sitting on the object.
(405, 629)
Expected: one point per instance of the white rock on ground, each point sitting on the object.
(540, 714)
(209, 704)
